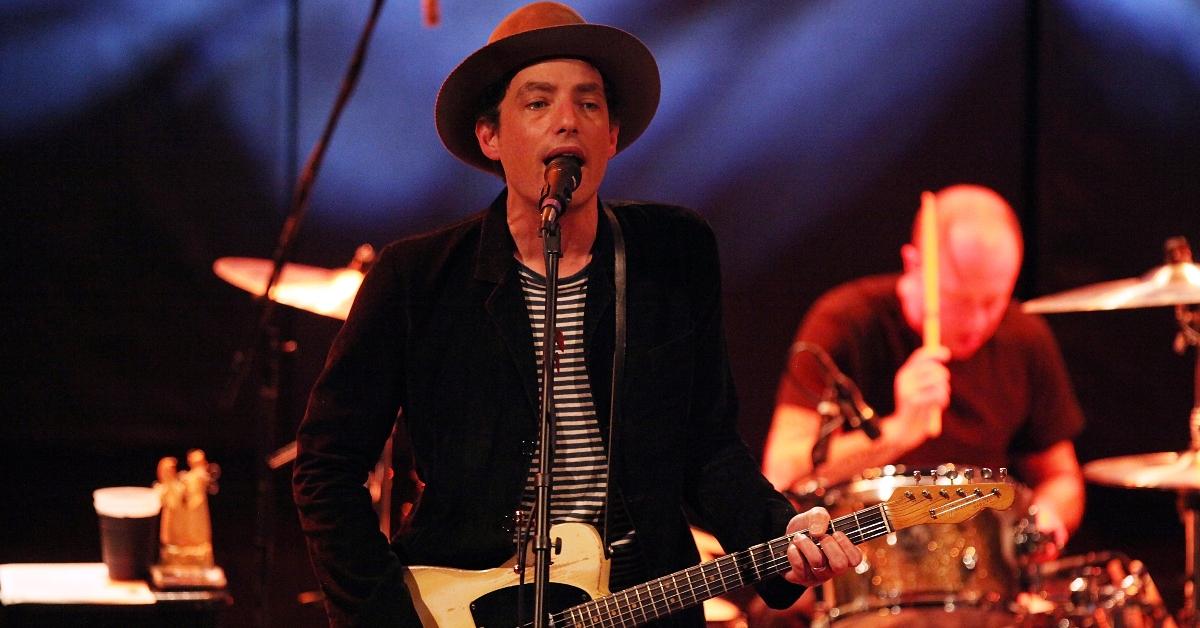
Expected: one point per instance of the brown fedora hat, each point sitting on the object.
(538, 31)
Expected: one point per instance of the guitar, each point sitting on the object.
(459, 598)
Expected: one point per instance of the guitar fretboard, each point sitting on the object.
(674, 592)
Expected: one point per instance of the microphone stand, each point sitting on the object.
(841, 403)
(543, 480)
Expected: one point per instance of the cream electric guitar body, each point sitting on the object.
(577, 594)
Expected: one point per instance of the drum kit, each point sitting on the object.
(963, 575)
(975, 573)
(978, 573)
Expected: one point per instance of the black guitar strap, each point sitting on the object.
(618, 364)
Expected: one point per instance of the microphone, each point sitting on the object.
(831, 419)
(842, 398)
(858, 414)
(563, 175)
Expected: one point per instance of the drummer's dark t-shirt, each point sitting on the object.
(1012, 397)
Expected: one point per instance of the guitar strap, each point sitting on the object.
(618, 364)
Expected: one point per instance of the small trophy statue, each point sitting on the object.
(186, 551)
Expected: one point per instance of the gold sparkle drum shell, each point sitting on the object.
(963, 574)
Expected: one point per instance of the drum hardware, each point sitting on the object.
(1100, 589)
(328, 292)
(1176, 283)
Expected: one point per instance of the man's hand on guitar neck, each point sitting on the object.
(814, 555)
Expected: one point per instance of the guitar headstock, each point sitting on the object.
(919, 503)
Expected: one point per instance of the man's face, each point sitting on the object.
(551, 108)
(976, 279)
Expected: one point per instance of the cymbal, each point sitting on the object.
(1169, 284)
(1169, 471)
(324, 291)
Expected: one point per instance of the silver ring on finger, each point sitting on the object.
(823, 556)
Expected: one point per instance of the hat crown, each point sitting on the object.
(534, 16)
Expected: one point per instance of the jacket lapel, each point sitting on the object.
(496, 264)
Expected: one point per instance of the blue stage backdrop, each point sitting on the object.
(142, 141)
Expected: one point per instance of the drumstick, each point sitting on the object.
(929, 270)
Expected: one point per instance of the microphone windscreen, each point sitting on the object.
(565, 167)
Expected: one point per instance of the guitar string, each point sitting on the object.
(770, 566)
(753, 555)
(977, 498)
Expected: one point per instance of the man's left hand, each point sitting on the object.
(814, 555)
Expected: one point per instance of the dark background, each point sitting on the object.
(141, 141)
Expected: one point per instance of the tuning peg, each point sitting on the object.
(917, 476)
(987, 473)
(1003, 473)
(952, 474)
(969, 474)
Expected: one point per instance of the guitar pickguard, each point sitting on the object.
(498, 609)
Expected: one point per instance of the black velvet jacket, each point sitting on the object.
(440, 330)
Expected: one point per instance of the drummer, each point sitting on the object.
(994, 393)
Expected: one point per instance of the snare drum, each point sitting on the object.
(961, 574)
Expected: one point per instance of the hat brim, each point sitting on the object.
(622, 59)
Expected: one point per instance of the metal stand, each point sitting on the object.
(1189, 507)
(266, 333)
(543, 481)
(1178, 254)
(1189, 500)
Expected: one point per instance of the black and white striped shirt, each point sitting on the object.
(580, 469)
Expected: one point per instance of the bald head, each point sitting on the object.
(966, 210)
(979, 254)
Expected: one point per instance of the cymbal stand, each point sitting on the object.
(1189, 500)
(1178, 252)
(266, 334)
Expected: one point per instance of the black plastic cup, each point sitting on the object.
(128, 530)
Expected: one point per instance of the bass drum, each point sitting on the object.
(963, 574)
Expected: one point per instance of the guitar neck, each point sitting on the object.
(686, 588)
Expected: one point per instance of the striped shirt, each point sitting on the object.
(580, 468)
